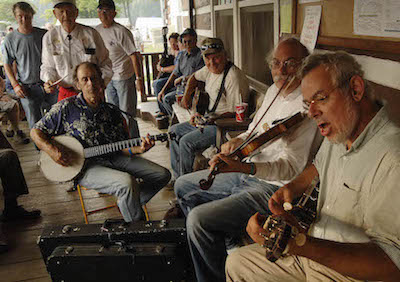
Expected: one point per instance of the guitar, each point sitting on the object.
(58, 173)
(281, 228)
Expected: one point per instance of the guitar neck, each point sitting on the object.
(120, 145)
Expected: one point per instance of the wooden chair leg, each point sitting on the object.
(146, 214)
(82, 203)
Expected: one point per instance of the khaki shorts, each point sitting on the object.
(7, 104)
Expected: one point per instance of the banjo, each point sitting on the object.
(282, 228)
(58, 173)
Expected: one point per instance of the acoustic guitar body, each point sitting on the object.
(58, 173)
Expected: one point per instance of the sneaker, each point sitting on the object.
(174, 212)
(9, 133)
(161, 115)
(73, 188)
(170, 185)
(22, 137)
(19, 213)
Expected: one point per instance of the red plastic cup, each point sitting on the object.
(240, 112)
(179, 98)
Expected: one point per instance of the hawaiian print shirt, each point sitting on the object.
(73, 117)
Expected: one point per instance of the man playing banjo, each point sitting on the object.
(356, 234)
(93, 122)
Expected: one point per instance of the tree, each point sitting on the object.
(6, 10)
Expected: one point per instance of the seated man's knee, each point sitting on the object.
(197, 219)
(125, 184)
(9, 154)
(165, 175)
(233, 264)
(173, 128)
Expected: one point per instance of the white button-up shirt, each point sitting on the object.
(63, 51)
(283, 159)
(359, 191)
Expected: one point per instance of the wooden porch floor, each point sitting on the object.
(23, 262)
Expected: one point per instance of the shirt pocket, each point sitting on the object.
(59, 61)
(351, 196)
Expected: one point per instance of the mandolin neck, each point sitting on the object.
(120, 145)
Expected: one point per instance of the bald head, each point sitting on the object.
(286, 60)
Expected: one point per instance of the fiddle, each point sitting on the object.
(253, 143)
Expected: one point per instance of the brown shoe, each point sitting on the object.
(174, 212)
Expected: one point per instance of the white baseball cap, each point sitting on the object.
(56, 2)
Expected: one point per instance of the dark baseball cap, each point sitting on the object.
(189, 31)
(106, 4)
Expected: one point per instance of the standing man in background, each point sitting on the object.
(24, 46)
(121, 91)
(68, 45)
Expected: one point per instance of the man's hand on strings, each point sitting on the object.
(147, 144)
(194, 118)
(255, 227)
(233, 164)
(61, 155)
(231, 145)
(282, 195)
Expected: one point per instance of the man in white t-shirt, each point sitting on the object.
(189, 139)
(125, 58)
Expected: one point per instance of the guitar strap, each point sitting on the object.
(222, 88)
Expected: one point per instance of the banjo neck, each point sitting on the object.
(120, 145)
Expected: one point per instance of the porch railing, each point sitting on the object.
(149, 63)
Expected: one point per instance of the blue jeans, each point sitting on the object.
(158, 85)
(122, 93)
(116, 175)
(34, 102)
(189, 140)
(215, 214)
(168, 100)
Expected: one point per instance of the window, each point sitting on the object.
(224, 20)
(257, 40)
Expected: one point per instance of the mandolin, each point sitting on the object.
(56, 172)
(250, 145)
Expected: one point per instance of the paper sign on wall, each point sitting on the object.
(286, 16)
(312, 20)
(377, 17)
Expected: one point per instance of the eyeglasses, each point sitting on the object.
(104, 10)
(289, 64)
(211, 46)
(184, 41)
(318, 99)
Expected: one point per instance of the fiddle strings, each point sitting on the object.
(286, 85)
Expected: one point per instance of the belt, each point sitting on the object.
(32, 84)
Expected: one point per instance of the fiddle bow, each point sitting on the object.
(253, 143)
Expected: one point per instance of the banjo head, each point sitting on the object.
(58, 173)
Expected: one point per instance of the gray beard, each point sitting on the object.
(345, 131)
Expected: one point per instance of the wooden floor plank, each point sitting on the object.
(23, 262)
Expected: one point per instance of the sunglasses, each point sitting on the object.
(211, 46)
